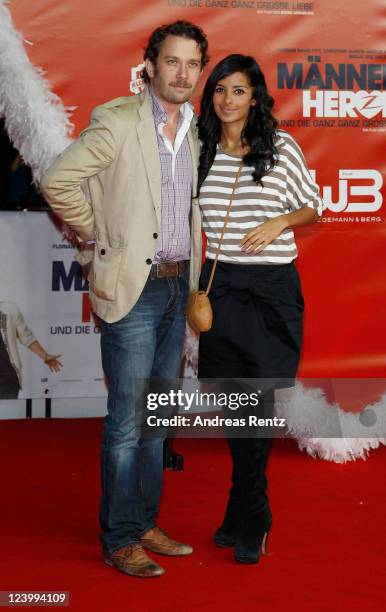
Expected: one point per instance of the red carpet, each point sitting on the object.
(326, 548)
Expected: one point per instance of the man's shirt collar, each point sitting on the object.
(160, 114)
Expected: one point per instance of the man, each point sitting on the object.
(13, 329)
(139, 157)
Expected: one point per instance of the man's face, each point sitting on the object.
(177, 70)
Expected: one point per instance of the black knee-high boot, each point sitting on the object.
(227, 534)
(247, 516)
(250, 459)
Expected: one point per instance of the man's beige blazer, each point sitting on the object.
(117, 158)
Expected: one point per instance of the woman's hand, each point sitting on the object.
(52, 361)
(257, 239)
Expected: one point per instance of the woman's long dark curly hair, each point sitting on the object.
(260, 127)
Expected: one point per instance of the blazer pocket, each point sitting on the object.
(105, 271)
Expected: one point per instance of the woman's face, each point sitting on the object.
(232, 98)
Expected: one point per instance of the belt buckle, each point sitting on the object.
(169, 269)
(164, 269)
(172, 269)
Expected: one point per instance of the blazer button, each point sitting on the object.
(149, 261)
(103, 251)
(155, 235)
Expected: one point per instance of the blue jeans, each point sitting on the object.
(146, 343)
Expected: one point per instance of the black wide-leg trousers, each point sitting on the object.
(256, 334)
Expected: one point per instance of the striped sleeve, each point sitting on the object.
(301, 188)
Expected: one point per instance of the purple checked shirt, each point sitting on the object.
(173, 243)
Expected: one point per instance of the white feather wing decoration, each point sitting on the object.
(325, 430)
(35, 118)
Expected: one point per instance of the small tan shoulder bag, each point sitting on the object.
(199, 312)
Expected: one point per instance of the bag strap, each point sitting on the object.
(223, 229)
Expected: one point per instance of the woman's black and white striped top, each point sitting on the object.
(287, 187)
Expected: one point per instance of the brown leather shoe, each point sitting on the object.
(158, 541)
(133, 560)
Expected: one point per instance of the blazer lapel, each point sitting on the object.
(148, 142)
(194, 149)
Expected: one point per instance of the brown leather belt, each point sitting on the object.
(168, 269)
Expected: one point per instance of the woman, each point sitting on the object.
(256, 295)
(13, 329)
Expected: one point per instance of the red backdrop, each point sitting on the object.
(316, 56)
